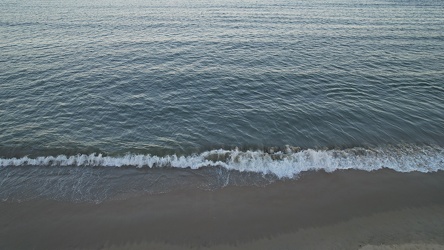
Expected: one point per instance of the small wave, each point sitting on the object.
(283, 163)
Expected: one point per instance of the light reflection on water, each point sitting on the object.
(179, 77)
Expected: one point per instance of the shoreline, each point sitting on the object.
(315, 208)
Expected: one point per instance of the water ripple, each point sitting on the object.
(149, 75)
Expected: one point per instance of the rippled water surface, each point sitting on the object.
(119, 76)
(165, 78)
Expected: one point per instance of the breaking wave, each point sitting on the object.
(285, 162)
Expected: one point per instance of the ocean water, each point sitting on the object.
(103, 98)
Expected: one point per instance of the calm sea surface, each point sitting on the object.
(268, 87)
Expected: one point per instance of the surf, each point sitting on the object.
(285, 162)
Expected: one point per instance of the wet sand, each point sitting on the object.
(341, 210)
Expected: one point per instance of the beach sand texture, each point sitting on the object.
(341, 210)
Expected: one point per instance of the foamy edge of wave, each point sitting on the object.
(286, 163)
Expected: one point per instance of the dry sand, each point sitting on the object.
(407, 225)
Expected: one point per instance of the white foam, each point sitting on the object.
(284, 164)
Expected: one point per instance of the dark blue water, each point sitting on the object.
(254, 86)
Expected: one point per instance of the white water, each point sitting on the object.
(283, 164)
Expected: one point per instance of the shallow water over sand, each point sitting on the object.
(340, 210)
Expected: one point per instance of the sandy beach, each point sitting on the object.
(341, 210)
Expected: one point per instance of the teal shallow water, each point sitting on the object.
(185, 78)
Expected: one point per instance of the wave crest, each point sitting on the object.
(284, 163)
